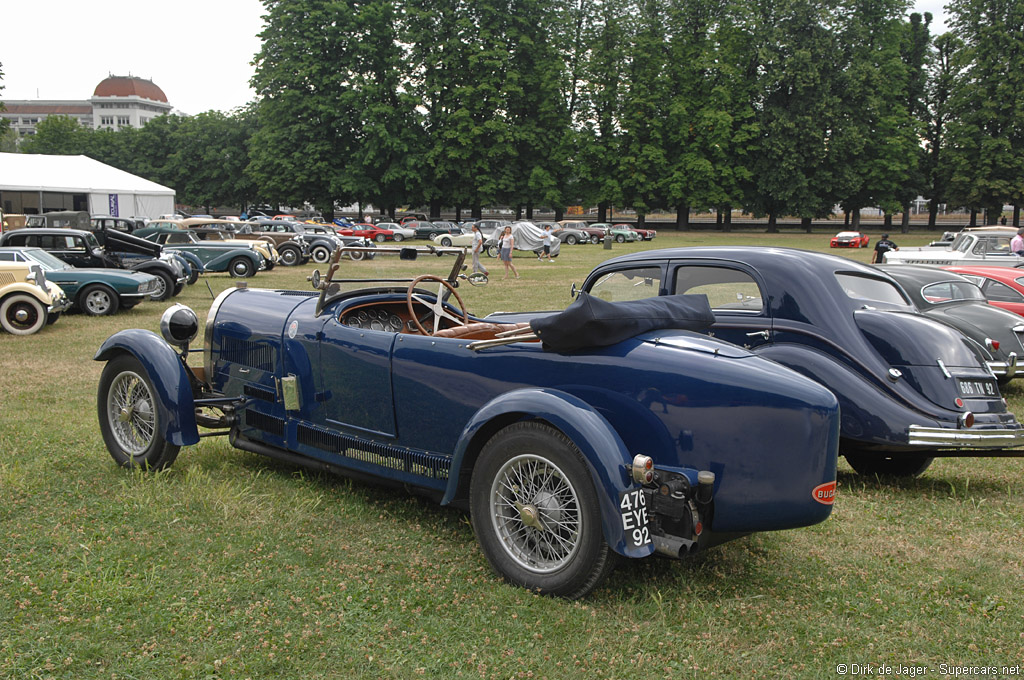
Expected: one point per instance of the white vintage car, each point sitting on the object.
(989, 246)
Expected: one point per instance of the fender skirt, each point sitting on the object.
(606, 455)
(175, 403)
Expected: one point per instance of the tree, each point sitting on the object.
(942, 74)
(985, 139)
(307, 113)
(59, 135)
(796, 105)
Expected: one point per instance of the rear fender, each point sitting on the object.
(175, 402)
(606, 455)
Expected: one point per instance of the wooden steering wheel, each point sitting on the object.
(437, 306)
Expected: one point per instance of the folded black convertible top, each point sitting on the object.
(593, 322)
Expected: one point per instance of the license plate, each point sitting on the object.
(977, 388)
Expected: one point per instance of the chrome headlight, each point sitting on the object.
(179, 326)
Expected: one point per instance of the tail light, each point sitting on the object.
(643, 469)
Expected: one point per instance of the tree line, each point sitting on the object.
(776, 107)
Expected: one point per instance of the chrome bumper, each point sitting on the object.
(60, 304)
(996, 438)
(1004, 369)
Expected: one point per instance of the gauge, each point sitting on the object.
(376, 325)
(363, 316)
(396, 323)
(351, 320)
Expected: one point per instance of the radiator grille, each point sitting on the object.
(391, 457)
(248, 353)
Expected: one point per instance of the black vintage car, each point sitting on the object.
(910, 388)
(105, 249)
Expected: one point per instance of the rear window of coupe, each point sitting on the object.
(871, 289)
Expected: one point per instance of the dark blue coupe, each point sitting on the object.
(604, 430)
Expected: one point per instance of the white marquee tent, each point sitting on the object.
(110, 191)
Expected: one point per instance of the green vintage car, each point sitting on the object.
(223, 256)
(96, 292)
(620, 233)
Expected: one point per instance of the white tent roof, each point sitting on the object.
(70, 174)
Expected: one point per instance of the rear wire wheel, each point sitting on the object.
(536, 513)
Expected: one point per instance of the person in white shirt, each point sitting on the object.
(507, 243)
(548, 241)
(478, 244)
(1017, 243)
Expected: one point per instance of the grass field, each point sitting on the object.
(229, 565)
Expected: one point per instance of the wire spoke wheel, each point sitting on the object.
(536, 513)
(130, 413)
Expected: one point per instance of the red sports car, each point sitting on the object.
(367, 230)
(850, 239)
(1002, 286)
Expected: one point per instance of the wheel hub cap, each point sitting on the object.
(21, 316)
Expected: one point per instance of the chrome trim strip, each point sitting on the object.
(1004, 368)
(211, 317)
(920, 435)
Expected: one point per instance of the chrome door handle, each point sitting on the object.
(764, 334)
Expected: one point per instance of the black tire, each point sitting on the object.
(98, 300)
(571, 240)
(380, 238)
(492, 251)
(129, 417)
(52, 318)
(619, 238)
(193, 275)
(290, 256)
(320, 254)
(446, 241)
(241, 267)
(553, 486)
(882, 464)
(595, 240)
(357, 255)
(22, 314)
(165, 287)
(178, 287)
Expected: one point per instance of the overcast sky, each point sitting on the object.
(199, 52)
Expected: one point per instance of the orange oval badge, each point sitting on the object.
(825, 493)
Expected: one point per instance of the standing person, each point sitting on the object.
(883, 246)
(1017, 243)
(507, 243)
(548, 240)
(478, 244)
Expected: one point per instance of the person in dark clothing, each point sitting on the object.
(883, 246)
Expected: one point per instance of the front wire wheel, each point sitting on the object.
(129, 417)
(536, 514)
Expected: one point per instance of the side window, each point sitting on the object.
(7, 257)
(18, 240)
(729, 290)
(177, 238)
(1000, 292)
(628, 284)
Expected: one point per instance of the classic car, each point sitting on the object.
(528, 238)
(125, 224)
(288, 237)
(96, 292)
(216, 235)
(73, 219)
(910, 388)
(959, 302)
(603, 430)
(566, 235)
(27, 300)
(398, 232)
(595, 234)
(239, 258)
(620, 233)
(425, 229)
(849, 239)
(367, 230)
(449, 240)
(81, 248)
(1003, 287)
(489, 227)
(988, 246)
(644, 233)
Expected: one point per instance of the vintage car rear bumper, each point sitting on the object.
(996, 438)
(1004, 369)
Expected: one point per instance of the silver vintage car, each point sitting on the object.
(989, 246)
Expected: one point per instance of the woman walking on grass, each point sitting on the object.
(507, 243)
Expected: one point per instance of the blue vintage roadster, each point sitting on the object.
(605, 430)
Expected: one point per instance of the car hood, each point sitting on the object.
(116, 241)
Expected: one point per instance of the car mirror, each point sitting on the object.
(316, 279)
(574, 291)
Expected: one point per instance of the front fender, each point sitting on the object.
(606, 455)
(176, 404)
(192, 259)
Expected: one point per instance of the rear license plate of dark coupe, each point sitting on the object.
(977, 388)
